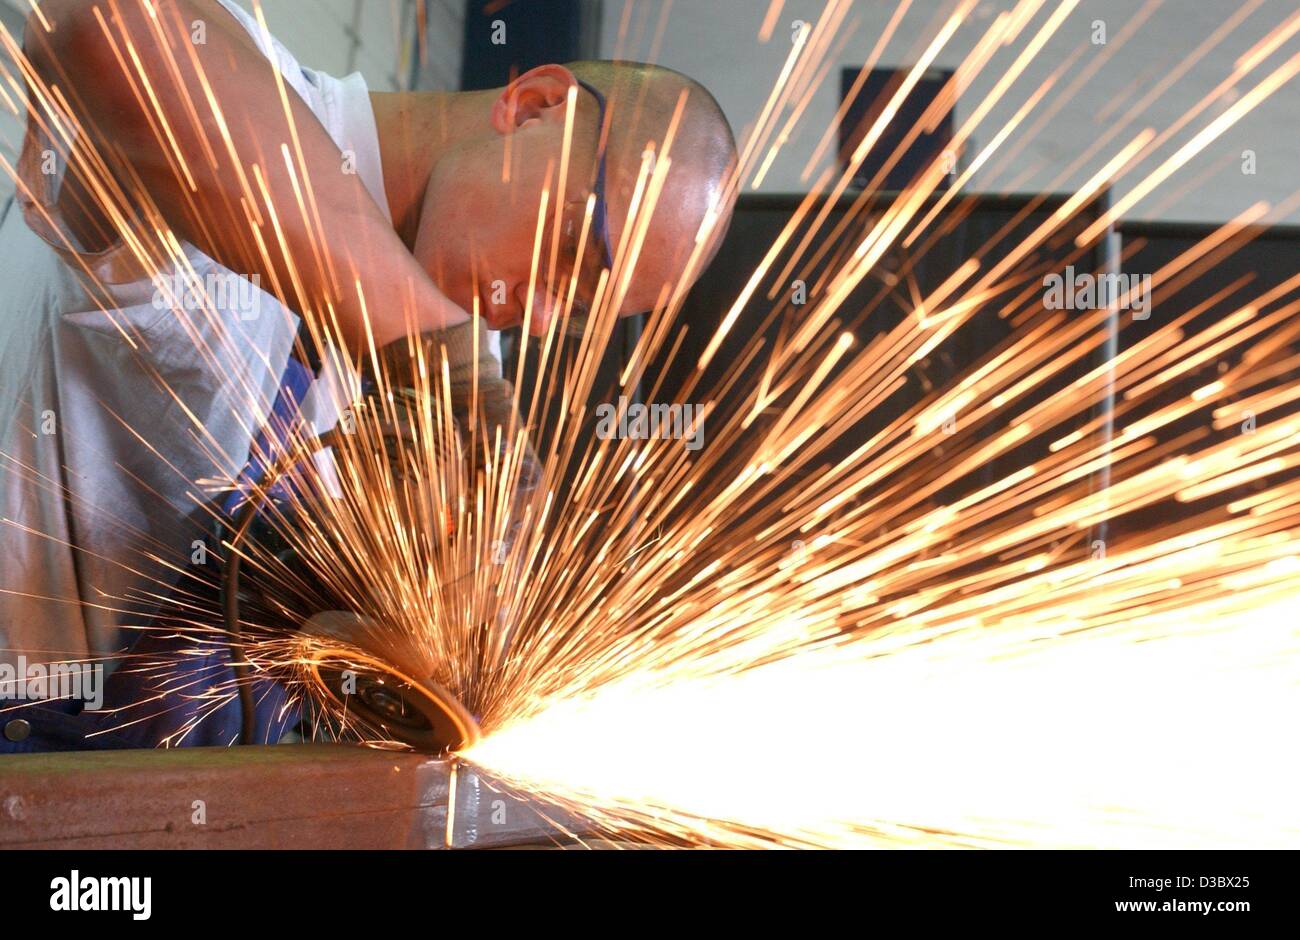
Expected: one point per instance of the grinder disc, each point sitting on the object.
(418, 712)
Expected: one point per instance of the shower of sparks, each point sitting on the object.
(1142, 734)
(929, 639)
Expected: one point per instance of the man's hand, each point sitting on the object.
(481, 399)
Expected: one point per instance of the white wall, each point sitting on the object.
(373, 37)
(11, 125)
(440, 70)
(716, 42)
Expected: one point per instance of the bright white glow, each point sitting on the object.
(988, 738)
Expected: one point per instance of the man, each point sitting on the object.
(178, 143)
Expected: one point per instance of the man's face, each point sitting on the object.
(478, 234)
(479, 231)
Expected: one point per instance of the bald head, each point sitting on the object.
(500, 159)
(645, 105)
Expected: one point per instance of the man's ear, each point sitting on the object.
(530, 96)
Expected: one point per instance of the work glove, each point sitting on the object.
(466, 349)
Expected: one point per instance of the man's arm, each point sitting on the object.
(160, 105)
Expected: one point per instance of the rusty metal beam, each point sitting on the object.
(306, 796)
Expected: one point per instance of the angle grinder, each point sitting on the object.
(344, 653)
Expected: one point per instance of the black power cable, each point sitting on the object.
(243, 520)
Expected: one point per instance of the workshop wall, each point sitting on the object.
(11, 126)
(716, 43)
(373, 37)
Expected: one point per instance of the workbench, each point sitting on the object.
(289, 796)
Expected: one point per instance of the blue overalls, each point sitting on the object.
(147, 707)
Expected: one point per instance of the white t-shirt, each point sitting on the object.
(120, 413)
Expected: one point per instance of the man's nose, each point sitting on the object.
(543, 311)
